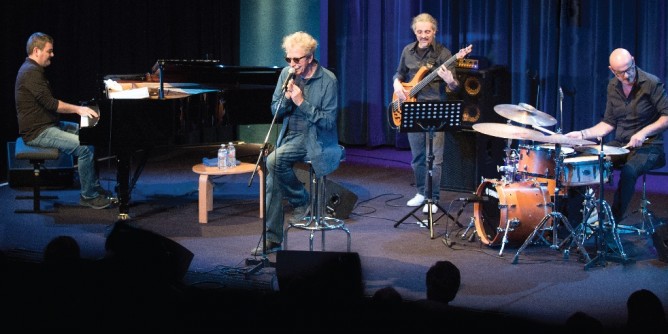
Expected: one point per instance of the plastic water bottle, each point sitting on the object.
(231, 155)
(222, 157)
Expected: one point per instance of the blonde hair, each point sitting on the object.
(424, 17)
(301, 40)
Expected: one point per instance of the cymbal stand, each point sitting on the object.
(606, 222)
(555, 216)
(509, 169)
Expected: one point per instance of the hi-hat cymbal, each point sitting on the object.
(607, 150)
(507, 131)
(561, 139)
(525, 114)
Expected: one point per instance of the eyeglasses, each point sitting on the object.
(628, 70)
(295, 59)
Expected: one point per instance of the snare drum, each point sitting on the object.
(540, 160)
(584, 170)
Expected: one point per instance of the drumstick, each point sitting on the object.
(543, 129)
(627, 145)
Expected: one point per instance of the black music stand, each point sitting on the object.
(429, 117)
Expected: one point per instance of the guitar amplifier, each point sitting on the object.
(473, 63)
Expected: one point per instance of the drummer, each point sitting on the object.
(637, 109)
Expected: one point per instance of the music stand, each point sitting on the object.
(429, 117)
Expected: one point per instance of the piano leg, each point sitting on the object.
(123, 184)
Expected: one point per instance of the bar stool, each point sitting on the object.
(318, 219)
(647, 226)
(36, 156)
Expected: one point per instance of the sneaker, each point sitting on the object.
(99, 202)
(434, 208)
(271, 247)
(416, 201)
(298, 214)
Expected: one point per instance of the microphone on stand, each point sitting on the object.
(474, 198)
(291, 74)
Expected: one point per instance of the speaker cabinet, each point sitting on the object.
(319, 274)
(660, 240)
(468, 157)
(480, 91)
(340, 200)
(56, 174)
(147, 251)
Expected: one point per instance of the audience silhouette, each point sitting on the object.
(645, 313)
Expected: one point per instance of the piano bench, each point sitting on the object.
(206, 186)
(36, 156)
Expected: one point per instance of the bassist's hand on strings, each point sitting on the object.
(399, 91)
(447, 76)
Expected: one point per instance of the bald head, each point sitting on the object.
(620, 58)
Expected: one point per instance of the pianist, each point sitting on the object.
(306, 99)
(39, 112)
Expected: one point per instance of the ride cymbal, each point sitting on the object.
(525, 114)
(507, 131)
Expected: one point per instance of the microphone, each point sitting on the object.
(474, 198)
(291, 74)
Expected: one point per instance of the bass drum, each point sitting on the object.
(519, 206)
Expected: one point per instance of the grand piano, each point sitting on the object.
(181, 103)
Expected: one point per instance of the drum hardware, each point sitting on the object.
(606, 222)
(468, 228)
(510, 226)
(555, 217)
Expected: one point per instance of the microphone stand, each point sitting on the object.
(262, 163)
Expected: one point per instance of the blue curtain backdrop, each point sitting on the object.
(545, 45)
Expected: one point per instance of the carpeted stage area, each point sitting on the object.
(544, 287)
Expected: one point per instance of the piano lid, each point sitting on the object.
(215, 73)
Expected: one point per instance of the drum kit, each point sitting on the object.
(523, 204)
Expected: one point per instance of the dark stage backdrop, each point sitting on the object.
(544, 45)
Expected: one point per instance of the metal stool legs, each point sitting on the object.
(317, 220)
(647, 226)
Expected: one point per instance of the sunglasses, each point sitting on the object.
(295, 59)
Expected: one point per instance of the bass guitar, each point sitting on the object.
(418, 82)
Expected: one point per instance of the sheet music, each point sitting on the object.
(136, 93)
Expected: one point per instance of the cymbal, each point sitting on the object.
(561, 139)
(525, 114)
(607, 150)
(507, 131)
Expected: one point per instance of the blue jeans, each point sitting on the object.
(282, 183)
(66, 139)
(419, 150)
(638, 162)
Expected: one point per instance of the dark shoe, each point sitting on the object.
(106, 193)
(272, 247)
(298, 214)
(99, 202)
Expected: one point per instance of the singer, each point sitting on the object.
(306, 99)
